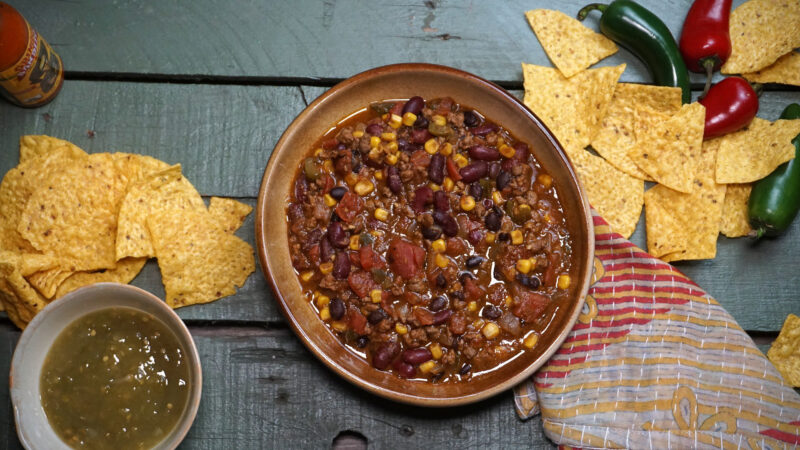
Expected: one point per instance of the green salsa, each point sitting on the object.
(115, 378)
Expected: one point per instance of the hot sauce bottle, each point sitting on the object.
(31, 73)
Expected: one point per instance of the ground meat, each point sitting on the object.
(415, 338)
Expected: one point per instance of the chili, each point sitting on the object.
(730, 105)
(705, 41)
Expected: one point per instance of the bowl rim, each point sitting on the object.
(182, 427)
(331, 363)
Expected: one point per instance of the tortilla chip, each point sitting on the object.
(167, 189)
(785, 70)
(19, 298)
(125, 272)
(199, 261)
(735, 222)
(228, 213)
(571, 107)
(32, 146)
(571, 46)
(761, 32)
(754, 152)
(47, 281)
(668, 151)
(616, 196)
(631, 103)
(785, 351)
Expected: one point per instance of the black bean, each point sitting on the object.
(404, 145)
(441, 281)
(417, 355)
(492, 221)
(422, 196)
(384, 355)
(336, 308)
(432, 232)
(376, 316)
(494, 169)
(421, 122)
(393, 180)
(503, 178)
(414, 105)
(335, 217)
(471, 119)
(442, 316)
(458, 294)
(474, 171)
(475, 261)
(341, 266)
(337, 235)
(375, 129)
(436, 168)
(476, 191)
(447, 222)
(338, 192)
(326, 250)
(465, 369)
(440, 201)
(484, 153)
(362, 341)
(491, 312)
(529, 281)
(503, 237)
(464, 274)
(438, 303)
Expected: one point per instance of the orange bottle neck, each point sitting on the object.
(13, 36)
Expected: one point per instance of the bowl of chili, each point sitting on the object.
(425, 235)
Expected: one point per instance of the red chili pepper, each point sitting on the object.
(705, 40)
(730, 105)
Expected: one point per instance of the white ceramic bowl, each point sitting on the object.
(33, 428)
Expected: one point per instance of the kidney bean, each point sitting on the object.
(375, 129)
(404, 145)
(432, 232)
(338, 192)
(471, 119)
(326, 250)
(492, 221)
(337, 235)
(376, 316)
(521, 151)
(334, 217)
(441, 281)
(475, 261)
(491, 312)
(438, 303)
(436, 168)
(442, 316)
(336, 308)
(414, 105)
(475, 190)
(475, 236)
(484, 153)
(300, 189)
(483, 130)
(502, 180)
(420, 136)
(393, 180)
(417, 355)
(474, 171)
(509, 164)
(494, 170)
(362, 341)
(384, 355)
(422, 196)
(341, 266)
(421, 122)
(440, 201)
(465, 369)
(405, 369)
(447, 222)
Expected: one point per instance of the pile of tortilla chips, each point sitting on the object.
(69, 219)
(619, 135)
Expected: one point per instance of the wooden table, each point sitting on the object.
(212, 85)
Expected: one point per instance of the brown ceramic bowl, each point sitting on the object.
(403, 81)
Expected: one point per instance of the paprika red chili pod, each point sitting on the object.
(730, 105)
(705, 40)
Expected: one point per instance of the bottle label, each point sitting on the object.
(36, 78)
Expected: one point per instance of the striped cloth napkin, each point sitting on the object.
(655, 362)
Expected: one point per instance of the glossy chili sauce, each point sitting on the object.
(429, 240)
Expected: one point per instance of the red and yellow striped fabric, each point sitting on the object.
(655, 362)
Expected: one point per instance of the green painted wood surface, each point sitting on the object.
(312, 39)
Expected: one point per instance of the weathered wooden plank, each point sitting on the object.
(309, 38)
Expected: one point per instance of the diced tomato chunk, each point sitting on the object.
(424, 316)
(472, 291)
(452, 170)
(530, 306)
(405, 258)
(458, 323)
(357, 321)
(354, 258)
(370, 259)
(456, 246)
(445, 106)
(497, 294)
(361, 283)
(420, 158)
(328, 144)
(349, 206)
(413, 298)
(313, 254)
(397, 108)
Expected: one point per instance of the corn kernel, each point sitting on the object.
(325, 313)
(545, 179)
(441, 260)
(467, 203)
(355, 244)
(548, 218)
(434, 187)
(395, 121)
(409, 118)
(531, 340)
(439, 245)
(524, 210)
(490, 237)
(472, 306)
(436, 351)
(323, 300)
(378, 174)
(392, 147)
(317, 152)
(376, 233)
(329, 201)
(328, 165)
(305, 276)
(460, 160)
(391, 158)
(490, 330)
(389, 136)
(374, 141)
(364, 187)
(326, 267)
(516, 237)
(351, 179)
(358, 134)
(507, 151)
(427, 366)
(385, 116)
(431, 146)
(509, 300)
(381, 214)
(446, 149)
(524, 265)
(497, 198)
(400, 328)
(339, 326)
(376, 295)
(439, 120)
(448, 184)
(374, 154)
(563, 281)
(478, 324)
